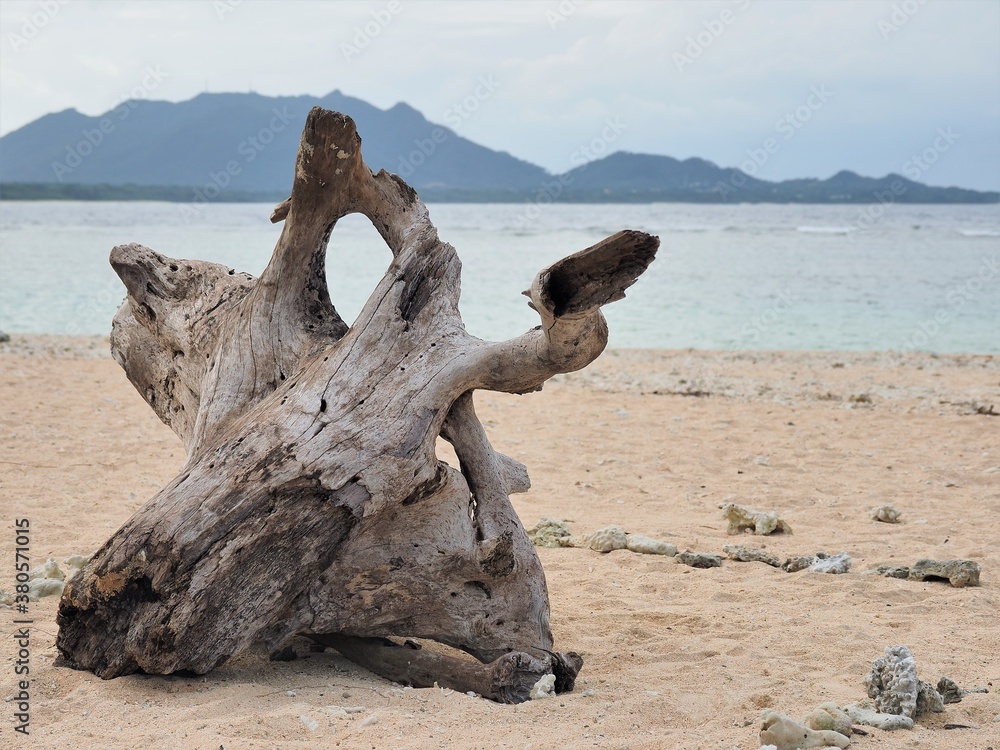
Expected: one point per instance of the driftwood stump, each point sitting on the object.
(311, 501)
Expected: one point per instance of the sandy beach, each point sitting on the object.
(653, 441)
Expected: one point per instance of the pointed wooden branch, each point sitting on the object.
(508, 679)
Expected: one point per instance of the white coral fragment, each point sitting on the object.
(45, 587)
(50, 569)
(607, 539)
(893, 684)
(758, 522)
(551, 532)
(645, 545)
(544, 688)
(829, 716)
(836, 564)
(784, 733)
(886, 513)
(74, 563)
(311, 724)
(48, 579)
(863, 713)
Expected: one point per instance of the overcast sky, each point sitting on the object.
(803, 87)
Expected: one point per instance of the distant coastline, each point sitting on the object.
(40, 191)
(154, 150)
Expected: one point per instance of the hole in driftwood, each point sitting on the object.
(138, 590)
(357, 258)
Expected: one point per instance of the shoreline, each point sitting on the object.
(851, 379)
(70, 346)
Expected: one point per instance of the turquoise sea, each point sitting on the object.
(849, 277)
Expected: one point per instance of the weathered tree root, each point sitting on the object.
(311, 501)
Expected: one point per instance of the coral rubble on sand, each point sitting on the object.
(831, 564)
(887, 513)
(821, 562)
(863, 712)
(48, 579)
(551, 532)
(699, 559)
(831, 717)
(544, 688)
(606, 539)
(548, 532)
(742, 553)
(758, 522)
(897, 696)
(959, 573)
(784, 733)
(893, 684)
(645, 545)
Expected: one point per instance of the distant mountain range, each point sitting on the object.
(241, 147)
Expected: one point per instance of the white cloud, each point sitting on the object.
(941, 67)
